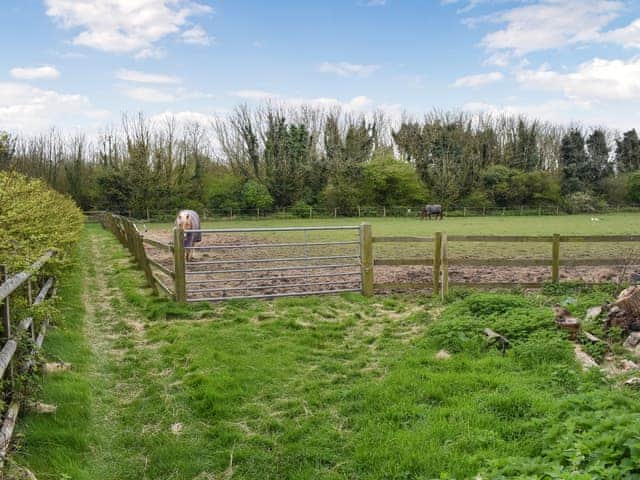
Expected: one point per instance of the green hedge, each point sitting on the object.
(33, 219)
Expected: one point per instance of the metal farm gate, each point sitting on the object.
(238, 263)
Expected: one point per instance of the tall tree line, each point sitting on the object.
(282, 157)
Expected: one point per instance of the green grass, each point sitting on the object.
(336, 387)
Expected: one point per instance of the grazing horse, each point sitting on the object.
(429, 210)
(189, 220)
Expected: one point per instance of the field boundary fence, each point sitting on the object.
(310, 212)
(361, 263)
(23, 339)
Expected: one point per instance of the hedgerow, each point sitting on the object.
(33, 219)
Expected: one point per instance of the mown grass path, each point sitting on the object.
(335, 387)
(245, 389)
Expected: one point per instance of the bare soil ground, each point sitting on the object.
(269, 275)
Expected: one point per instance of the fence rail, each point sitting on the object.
(253, 275)
(26, 331)
(441, 261)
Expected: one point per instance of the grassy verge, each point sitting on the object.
(319, 387)
(67, 430)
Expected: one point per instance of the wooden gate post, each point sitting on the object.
(366, 259)
(179, 265)
(555, 259)
(445, 267)
(437, 257)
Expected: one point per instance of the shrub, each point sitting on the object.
(583, 202)
(256, 195)
(301, 209)
(633, 187)
(33, 219)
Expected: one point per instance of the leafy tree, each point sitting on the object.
(575, 163)
(388, 181)
(598, 151)
(633, 187)
(224, 190)
(256, 195)
(286, 157)
(628, 152)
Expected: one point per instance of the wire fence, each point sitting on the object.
(310, 212)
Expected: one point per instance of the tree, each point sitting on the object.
(286, 158)
(633, 187)
(628, 152)
(575, 163)
(388, 181)
(256, 195)
(598, 150)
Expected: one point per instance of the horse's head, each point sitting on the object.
(184, 220)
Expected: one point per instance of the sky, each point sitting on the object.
(80, 64)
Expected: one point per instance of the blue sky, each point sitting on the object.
(81, 63)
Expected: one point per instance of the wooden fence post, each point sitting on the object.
(144, 264)
(555, 259)
(437, 258)
(6, 310)
(445, 267)
(179, 265)
(366, 259)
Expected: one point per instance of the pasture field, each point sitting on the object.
(335, 387)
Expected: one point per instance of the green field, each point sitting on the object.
(336, 387)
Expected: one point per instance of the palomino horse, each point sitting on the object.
(189, 220)
(429, 210)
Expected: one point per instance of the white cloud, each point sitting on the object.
(149, 94)
(254, 94)
(550, 24)
(143, 77)
(345, 69)
(628, 37)
(123, 26)
(35, 73)
(498, 59)
(30, 109)
(478, 80)
(596, 80)
(196, 36)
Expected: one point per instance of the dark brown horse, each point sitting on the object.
(431, 210)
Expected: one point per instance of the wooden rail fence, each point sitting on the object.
(440, 260)
(26, 331)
